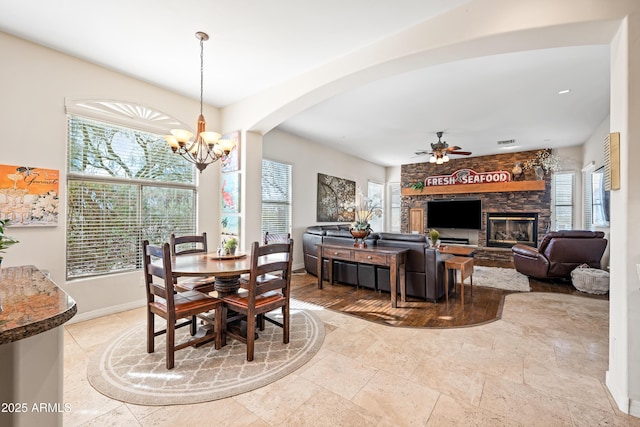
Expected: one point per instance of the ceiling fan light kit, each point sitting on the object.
(440, 151)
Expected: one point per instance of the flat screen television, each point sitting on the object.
(466, 214)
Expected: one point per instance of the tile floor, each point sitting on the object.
(542, 364)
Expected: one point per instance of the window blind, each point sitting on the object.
(276, 197)
(587, 199)
(124, 186)
(395, 211)
(563, 200)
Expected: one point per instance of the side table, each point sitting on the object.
(465, 266)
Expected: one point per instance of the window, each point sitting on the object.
(124, 186)
(563, 188)
(375, 191)
(276, 197)
(587, 197)
(395, 197)
(599, 199)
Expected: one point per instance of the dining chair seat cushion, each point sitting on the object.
(188, 302)
(261, 300)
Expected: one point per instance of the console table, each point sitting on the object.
(394, 258)
(457, 250)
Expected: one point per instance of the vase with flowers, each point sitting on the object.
(365, 209)
(544, 162)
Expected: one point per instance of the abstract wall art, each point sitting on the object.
(335, 196)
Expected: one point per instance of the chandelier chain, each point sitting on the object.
(201, 71)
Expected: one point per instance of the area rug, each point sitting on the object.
(125, 371)
(500, 278)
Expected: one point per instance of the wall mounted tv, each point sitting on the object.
(456, 213)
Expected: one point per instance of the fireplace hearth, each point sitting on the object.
(505, 229)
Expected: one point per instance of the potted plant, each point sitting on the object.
(5, 241)
(231, 245)
(434, 236)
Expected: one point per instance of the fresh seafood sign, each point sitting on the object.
(467, 176)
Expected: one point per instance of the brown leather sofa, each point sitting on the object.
(559, 253)
(424, 269)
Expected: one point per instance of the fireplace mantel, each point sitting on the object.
(492, 187)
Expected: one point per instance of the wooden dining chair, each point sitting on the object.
(178, 309)
(268, 288)
(276, 237)
(184, 245)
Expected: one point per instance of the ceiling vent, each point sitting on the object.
(507, 142)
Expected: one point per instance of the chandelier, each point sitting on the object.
(207, 147)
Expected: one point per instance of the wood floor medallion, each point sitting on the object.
(484, 306)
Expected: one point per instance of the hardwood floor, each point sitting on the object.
(484, 306)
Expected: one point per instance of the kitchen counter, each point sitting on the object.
(31, 303)
(34, 309)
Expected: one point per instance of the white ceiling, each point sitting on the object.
(257, 44)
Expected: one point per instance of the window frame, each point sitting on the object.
(286, 203)
(91, 220)
(557, 206)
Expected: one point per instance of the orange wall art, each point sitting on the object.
(29, 195)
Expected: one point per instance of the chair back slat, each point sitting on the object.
(271, 285)
(183, 245)
(164, 289)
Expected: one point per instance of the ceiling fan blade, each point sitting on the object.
(464, 153)
(454, 148)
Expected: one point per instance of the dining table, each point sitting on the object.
(226, 269)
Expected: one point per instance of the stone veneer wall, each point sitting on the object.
(520, 201)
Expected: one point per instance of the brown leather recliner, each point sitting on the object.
(559, 253)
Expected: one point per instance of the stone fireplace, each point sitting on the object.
(496, 201)
(505, 229)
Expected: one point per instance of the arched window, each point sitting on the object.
(124, 186)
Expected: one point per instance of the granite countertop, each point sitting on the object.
(31, 303)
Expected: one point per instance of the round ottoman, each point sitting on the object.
(590, 280)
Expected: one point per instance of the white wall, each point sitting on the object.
(35, 82)
(623, 376)
(308, 159)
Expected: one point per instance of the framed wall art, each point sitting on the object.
(230, 196)
(29, 195)
(335, 196)
(230, 226)
(232, 161)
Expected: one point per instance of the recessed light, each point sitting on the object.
(562, 92)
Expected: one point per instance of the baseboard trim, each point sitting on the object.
(94, 314)
(634, 408)
(622, 400)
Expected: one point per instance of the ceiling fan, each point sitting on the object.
(440, 151)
